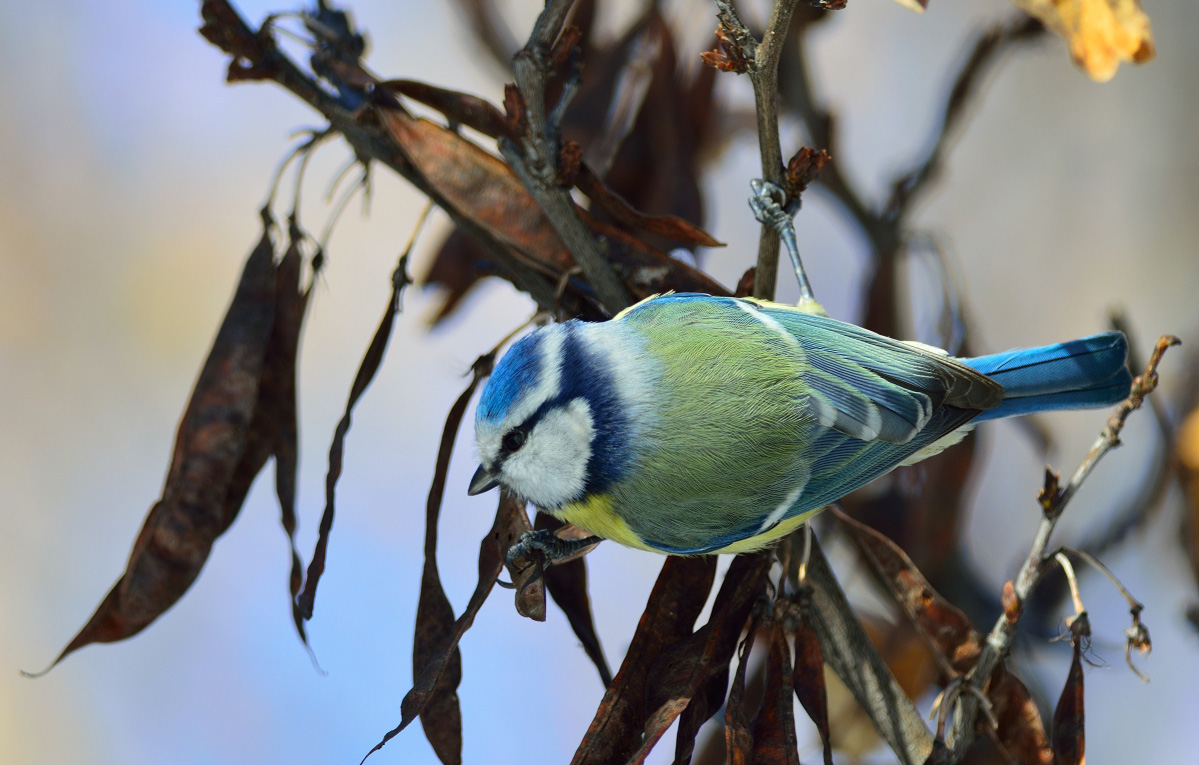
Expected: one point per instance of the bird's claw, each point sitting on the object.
(771, 208)
(553, 549)
(768, 202)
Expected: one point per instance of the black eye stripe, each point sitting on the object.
(513, 440)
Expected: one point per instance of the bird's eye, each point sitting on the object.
(514, 440)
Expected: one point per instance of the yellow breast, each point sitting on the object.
(596, 515)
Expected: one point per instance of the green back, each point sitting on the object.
(763, 411)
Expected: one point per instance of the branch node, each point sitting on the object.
(1050, 495)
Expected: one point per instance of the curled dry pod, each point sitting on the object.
(178, 533)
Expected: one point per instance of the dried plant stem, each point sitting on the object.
(846, 647)
(1071, 581)
(1053, 501)
(763, 71)
(886, 227)
(1134, 605)
(764, 74)
(255, 51)
(535, 158)
(987, 51)
(1165, 467)
(848, 651)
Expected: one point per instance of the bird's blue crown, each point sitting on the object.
(519, 371)
(582, 372)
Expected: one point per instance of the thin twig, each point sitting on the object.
(798, 96)
(309, 150)
(1138, 634)
(1134, 605)
(943, 704)
(255, 56)
(986, 53)
(848, 651)
(534, 158)
(802, 569)
(1165, 467)
(489, 29)
(886, 228)
(763, 71)
(1110, 437)
(303, 149)
(1053, 500)
(1072, 581)
(764, 75)
(364, 184)
(628, 97)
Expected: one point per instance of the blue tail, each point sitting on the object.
(1075, 375)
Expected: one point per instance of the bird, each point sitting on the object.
(693, 424)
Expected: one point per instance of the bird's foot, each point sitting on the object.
(553, 549)
(771, 208)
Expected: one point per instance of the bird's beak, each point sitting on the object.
(483, 480)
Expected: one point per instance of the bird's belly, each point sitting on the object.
(758, 541)
(597, 514)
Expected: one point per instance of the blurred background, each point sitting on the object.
(131, 179)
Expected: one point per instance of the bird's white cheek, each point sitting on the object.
(487, 443)
(551, 469)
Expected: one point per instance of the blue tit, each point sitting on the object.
(693, 424)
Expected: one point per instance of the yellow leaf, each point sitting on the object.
(1188, 456)
(1100, 33)
(1188, 441)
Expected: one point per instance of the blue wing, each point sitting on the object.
(879, 402)
(866, 385)
(921, 396)
(901, 385)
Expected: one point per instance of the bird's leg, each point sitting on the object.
(769, 203)
(553, 549)
(807, 553)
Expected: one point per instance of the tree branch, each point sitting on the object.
(1053, 501)
(256, 57)
(534, 158)
(885, 228)
(988, 49)
(848, 651)
(763, 74)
